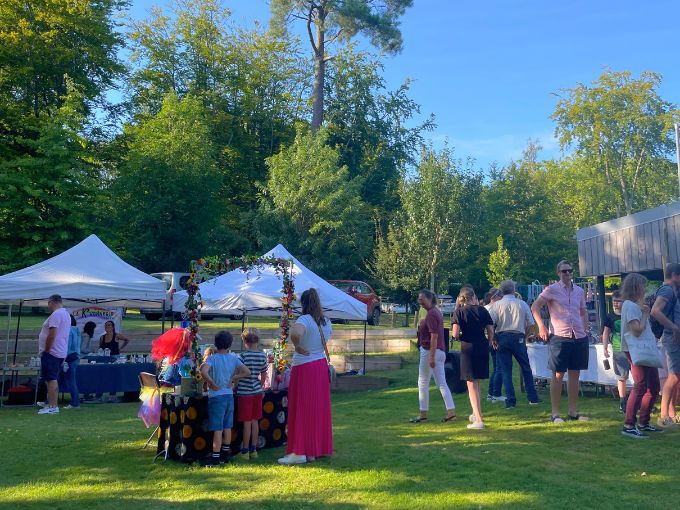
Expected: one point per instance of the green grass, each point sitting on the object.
(93, 459)
(134, 321)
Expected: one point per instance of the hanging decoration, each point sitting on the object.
(210, 267)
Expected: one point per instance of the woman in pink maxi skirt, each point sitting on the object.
(310, 428)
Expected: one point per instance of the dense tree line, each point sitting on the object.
(224, 140)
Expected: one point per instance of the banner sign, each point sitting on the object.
(99, 316)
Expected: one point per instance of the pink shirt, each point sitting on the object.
(565, 309)
(61, 320)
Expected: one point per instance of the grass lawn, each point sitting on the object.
(135, 321)
(92, 459)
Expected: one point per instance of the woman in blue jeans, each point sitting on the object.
(71, 363)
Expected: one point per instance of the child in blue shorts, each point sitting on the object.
(221, 371)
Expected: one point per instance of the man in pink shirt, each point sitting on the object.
(568, 344)
(53, 346)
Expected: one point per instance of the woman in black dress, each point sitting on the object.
(470, 322)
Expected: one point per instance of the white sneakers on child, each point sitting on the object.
(292, 458)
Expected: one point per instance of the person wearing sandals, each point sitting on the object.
(310, 427)
(432, 358)
(635, 320)
(568, 345)
(513, 321)
(470, 322)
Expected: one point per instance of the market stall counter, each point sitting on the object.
(96, 378)
(183, 433)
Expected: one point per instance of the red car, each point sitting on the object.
(364, 293)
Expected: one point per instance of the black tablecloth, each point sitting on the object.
(184, 430)
(111, 377)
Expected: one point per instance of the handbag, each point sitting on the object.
(643, 349)
(331, 369)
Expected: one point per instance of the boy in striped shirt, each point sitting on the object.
(249, 392)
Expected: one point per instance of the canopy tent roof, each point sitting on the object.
(88, 272)
(258, 292)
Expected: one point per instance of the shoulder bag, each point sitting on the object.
(331, 368)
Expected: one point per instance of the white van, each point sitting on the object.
(173, 282)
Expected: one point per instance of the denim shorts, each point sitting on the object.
(621, 365)
(568, 353)
(50, 366)
(672, 351)
(220, 412)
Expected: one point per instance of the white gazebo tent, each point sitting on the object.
(89, 272)
(258, 293)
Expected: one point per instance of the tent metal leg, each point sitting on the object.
(4, 366)
(16, 337)
(163, 318)
(365, 327)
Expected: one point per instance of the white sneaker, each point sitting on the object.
(471, 418)
(41, 404)
(49, 410)
(498, 399)
(476, 425)
(71, 407)
(292, 458)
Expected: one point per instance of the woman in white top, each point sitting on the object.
(310, 429)
(635, 324)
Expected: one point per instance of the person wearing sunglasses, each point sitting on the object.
(568, 345)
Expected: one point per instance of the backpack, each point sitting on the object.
(657, 327)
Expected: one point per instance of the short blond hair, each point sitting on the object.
(563, 262)
(250, 336)
(633, 287)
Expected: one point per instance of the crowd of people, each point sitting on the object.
(500, 325)
(496, 327)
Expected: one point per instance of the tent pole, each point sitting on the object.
(16, 337)
(365, 326)
(243, 327)
(163, 318)
(9, 332)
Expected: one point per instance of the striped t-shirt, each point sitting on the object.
(256, 361)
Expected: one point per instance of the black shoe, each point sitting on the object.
(634, 432)
(650, 428)
(225, 457)
(510, 406)
(210, 461)
(536, 402)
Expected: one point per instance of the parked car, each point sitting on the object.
(446, 304)
(174, 281)
(364, 293)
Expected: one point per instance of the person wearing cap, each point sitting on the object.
(568, 345)
(53, 347)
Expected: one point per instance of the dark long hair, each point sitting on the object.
(113, 327)
(89, 328)
(311, 305)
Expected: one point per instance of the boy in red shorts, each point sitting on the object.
(249, 392)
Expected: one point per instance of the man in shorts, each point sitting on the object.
(568, 344)
(611, 334)
(52, 346)
(667, 313)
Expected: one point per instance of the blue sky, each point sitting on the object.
(488, 69)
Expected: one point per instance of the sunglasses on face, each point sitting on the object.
(566, 271)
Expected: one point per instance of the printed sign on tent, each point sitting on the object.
(99, 316)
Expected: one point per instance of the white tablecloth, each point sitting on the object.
(538, 358)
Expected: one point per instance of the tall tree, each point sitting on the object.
(311, 205)
(434, 229)
(368, 125)
(47, 193)
(623, 128)
(499, 264)
(331, 20)
(165, 198)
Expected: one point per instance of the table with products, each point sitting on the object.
(96, 378)
(183, 433)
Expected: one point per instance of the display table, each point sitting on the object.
(538, 358)
(183, 432)
(111, 377)
(15, 372)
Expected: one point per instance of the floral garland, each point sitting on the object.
(211, 267)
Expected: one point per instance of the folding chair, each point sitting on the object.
(149, 381)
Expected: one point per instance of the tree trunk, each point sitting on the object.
(319, 72)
